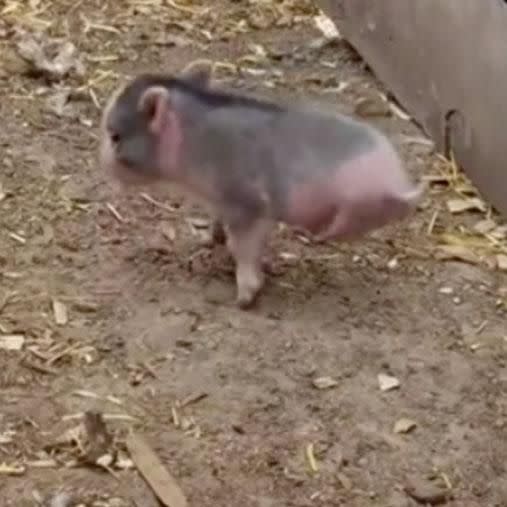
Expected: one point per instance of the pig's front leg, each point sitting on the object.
(217, 232)
(247, 244)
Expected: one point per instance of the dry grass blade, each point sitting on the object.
(157, 204)
(116, 214)
(311, 458)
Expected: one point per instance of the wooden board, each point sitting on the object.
(446, 62)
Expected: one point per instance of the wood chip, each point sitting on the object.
(12, 341)
(85, 306)
(484, 226)
(387, 382)
(11, 470)
(367, 108)
(199, 223)
(154, 472)
(501, 262)
(456, 252)
(326, 27)
(324, 382)
(456, 206)
(404, 425)
(60, 313)
(168, 232)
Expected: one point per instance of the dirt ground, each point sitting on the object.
(227, 398)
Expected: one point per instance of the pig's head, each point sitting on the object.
(141, 132)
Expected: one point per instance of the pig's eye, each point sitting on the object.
(115, 138)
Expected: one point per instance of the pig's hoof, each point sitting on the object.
(218, 234)
(267, 266)
(247, 296)
(246, 301)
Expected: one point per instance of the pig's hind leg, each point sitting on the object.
(216, 235)
(247, 244)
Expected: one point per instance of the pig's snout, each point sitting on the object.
(119, 173)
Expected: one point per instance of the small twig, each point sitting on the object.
(158, 204)
(6, 299)
(94, 98)
(432, 223)
(115, 213)
(18, 238)
(150, 369)
(37, 367)
(481, 327)
(63, 353)
(106, 417)
(447, 481)
(178, 7)
(193, 398)
(176, 419)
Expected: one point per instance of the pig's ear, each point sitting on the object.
(198, 73)
(155, 103)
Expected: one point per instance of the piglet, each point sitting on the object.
(255, 163)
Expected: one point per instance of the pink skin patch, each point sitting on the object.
(311, 206)
(168, 156)
(365, 194)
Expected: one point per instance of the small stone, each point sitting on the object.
(344, 481)
(324, 382)
(426, 492)
(404, 425)
(393, 263)
(500, 423)
(387, 382)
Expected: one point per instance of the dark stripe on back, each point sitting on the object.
(209, 97)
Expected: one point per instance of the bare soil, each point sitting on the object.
(152, 320)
